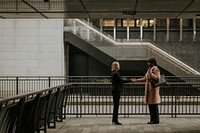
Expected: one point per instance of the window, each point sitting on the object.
(131, 23)
(175, 23)
(108, 22)
(145, 23)
(187, 23)
(161, 22)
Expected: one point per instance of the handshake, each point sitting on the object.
(134, 80)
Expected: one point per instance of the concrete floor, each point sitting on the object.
(133, 124)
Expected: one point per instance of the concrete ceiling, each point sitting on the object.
(31, 9)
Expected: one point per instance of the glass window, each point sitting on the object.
(131, 23)
(161, 22)
(145, 23)
(138, 23)
(108, 22)
(151, 23)
(198, 22)
(187, 23)
(175, 23)
(119, 22)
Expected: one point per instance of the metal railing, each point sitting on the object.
(38, 110)
(96, 99)
(33, 111)
(11, 86)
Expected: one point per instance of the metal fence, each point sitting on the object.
(38, 110)
(11, 86)
(96, 99)
(92, 95)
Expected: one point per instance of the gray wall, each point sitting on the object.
(31, 47)
(186, 51)
(81, 64)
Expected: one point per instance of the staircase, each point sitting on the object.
(106, 49)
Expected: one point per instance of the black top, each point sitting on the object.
(117, 81)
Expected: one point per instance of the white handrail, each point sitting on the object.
(176, 61)
(106, 37)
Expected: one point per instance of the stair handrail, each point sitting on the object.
(104, 36)
(175, 60)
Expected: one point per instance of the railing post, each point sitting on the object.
(175, 103)
(76, 94)
(49, 82)
(65, 101)
(172, 102)
(81, 97)
(21, 102)
(17, 85)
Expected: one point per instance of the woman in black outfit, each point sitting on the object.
(117, 82)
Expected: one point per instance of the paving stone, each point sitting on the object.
(134, 124)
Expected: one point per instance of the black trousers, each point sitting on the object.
(116, 98)
(154, 113)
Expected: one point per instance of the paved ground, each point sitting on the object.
(133, 124)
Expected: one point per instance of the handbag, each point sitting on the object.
(156, 83)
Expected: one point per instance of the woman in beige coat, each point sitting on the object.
(152, 97)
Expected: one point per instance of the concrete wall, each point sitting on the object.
(31, 47)
(82, 64)
(186, 51)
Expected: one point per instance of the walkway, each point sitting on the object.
(133, 124)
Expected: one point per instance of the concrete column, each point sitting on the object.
(128, 29)
(181, 29)
(66, 63)
(141, 29)
(114, 30)
(168, 25)
(101, 26)
(194, 30)
(154, 29)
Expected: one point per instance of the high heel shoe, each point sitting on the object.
(151, 122)
(116, 123)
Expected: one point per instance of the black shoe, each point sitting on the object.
(116, 123)
(151, 122)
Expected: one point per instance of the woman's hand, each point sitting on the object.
(134, 80)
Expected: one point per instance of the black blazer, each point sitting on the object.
(117, 81)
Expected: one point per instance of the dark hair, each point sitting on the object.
(153, 61)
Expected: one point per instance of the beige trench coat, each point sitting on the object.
(152, 95)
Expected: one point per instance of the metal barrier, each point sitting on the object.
(11, 86)
(32, 112)
(35, 111)
(96, 99)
